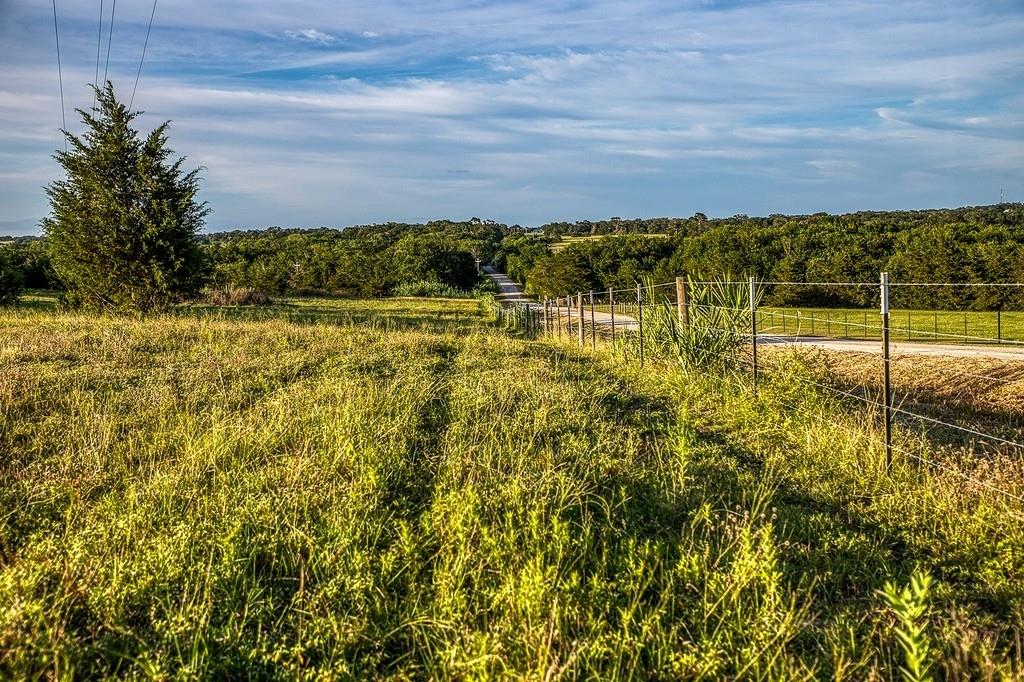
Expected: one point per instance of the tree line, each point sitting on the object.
(977, 245)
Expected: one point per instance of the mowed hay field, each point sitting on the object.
(404, 491)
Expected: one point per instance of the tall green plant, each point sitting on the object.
(123, 224)
(910, 605)
(719, 319)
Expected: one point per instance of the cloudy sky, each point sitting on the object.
(310, 112)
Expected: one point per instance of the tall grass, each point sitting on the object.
(202, 497)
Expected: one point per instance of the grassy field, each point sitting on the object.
(397, 489)
(570, 240)
(940, 326)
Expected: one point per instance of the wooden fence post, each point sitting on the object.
(593, 323)
(640, 319)
(611, 306)
(579, 306)
(683, 301)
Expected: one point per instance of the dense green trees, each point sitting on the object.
(967, 245)
(123, 223)
(12, 281)
(360, 261)
(970, 245)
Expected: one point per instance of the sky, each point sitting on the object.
(312, 113)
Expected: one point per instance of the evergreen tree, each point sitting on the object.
(123, 224)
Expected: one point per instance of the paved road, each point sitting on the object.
(512, 293)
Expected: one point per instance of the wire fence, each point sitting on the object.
(625, 316)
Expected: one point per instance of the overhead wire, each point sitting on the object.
(60, 78)
(110, 38)
(145, 45)
(99, 40)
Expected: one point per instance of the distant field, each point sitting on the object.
(345, 489)
(568, 241)
(905, 325)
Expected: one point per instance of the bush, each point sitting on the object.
(424, 289)
(230, 295)
(11, 280)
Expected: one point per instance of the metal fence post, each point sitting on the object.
(886, 377)
(640, 319)
(593, 323)
(999, 325)
(579, 306)
(753, 328)
(611, 307)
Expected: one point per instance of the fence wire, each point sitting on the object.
(622, 314)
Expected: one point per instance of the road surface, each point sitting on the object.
(1007, 352)
(512, 293)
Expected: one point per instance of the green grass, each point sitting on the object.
(397, 489)
(940, 326)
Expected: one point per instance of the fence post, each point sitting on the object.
(640, 319)
(999, 325)
(593, 323)
(611, 307)
(682, 301)
(579, 305)
(753, 328)
(886, 377)
(558, 317)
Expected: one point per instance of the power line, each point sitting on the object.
(110, 37)
(144, 46)
(60, 76)
(99, 38)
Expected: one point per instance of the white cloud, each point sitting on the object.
(311, 35)
(557, 108)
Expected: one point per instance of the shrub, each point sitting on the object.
(230, 295)
(424, 289)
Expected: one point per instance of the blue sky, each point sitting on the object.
(308, 113)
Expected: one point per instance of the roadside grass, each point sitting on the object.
(399, 493)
